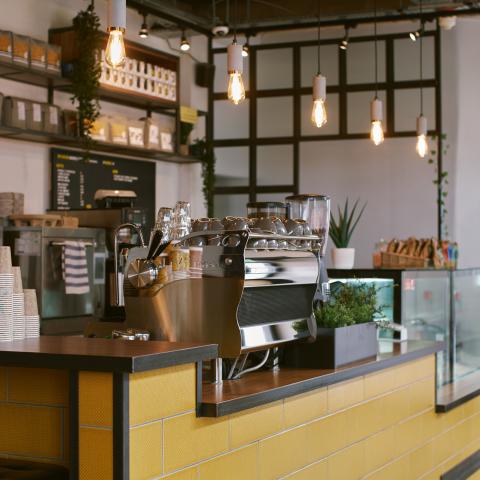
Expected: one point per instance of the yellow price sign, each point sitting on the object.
(188, 115)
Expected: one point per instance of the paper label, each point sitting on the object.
(37, 113)
(21, 111)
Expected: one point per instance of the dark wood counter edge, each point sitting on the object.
(257, 399)
(100, 363)
(465, 469)
(447, 400)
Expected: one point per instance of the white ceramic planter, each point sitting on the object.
(343, 258)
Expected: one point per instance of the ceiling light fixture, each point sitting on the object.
(117, 20)
(143, 32)
(236, 89)
(184, 43)
(344, 42)
(376, 107)
(246, 48)
(422, 130)
(319, 89)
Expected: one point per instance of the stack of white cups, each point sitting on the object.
(32, 319)
(18, 305)
(6, 295)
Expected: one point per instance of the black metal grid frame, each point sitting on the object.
(389, 86)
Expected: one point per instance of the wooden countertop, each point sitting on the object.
(263, 387)
(458, 392)
(99, 354)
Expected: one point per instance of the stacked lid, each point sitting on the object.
(11, 203)
(32, 319)
(18, 305)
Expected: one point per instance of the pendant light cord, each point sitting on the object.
(318, 38)
(235, 12)
(376, 48)
(421, 58)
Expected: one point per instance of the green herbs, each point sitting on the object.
(341, 230)
(350, 303)
(87, 70)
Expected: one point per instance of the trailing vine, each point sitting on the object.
(86, 70)
(205, 153)
(441, 182)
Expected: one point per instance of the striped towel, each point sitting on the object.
(75, 268)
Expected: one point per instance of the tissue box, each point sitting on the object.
(152, 134)
(35, 116)
(118, 130)
(21, 49)
(136, 134)
(38, 54)
(52, 118)
(15, 112)
(100, 130)
(6, 46)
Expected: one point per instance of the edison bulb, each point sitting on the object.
(319, 113)
(236, 90)
(376, 132)
(422, 145)
(115, 53)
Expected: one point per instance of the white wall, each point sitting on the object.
(392, 179)
(25, 166)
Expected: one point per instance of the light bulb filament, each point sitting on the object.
(422, 145)
(115, 53)
(236, 89)
(319, 113)
(376, 132)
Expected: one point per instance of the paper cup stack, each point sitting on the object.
(6, 295)
(32, 319)
(18, 305)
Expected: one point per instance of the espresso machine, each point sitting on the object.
(246, 284)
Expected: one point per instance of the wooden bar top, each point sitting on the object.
(99, 354)
(458, 392)
(259, 388)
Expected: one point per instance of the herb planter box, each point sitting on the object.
(334, 347)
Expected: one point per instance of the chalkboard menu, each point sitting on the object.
(75, 179)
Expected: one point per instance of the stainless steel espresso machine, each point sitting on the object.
(247, 284)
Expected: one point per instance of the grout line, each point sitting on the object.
(95, 427)
(150, 422)
(27, 404)
(163, 447)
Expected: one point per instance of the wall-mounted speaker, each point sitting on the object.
(204, 74)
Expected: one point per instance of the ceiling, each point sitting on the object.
(201, 15)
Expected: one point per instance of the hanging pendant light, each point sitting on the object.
(184, 43)
(236, 89)
(117, 20)
(143, 32)
(246, 48)
(376, 107)
(344, 42)
(319, 89)
(422, 130)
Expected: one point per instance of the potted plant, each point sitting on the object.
(346, 330)
(341, 231)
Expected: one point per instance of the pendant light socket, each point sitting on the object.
(319, 87)
(421, 125)
(376, 110)
(117, 15)
(234, 58)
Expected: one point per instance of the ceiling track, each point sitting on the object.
(198, 25)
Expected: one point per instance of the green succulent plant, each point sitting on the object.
(341, 229)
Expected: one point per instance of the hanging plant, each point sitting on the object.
(86, 70)
(201, 150)
(441, 182)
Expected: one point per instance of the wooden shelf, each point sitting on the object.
(74, 142)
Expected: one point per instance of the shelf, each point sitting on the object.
(74, 142)
(24, 74)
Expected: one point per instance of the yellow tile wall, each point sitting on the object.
(39, 386)
(146, 451)
(95, 454)
(95, 394)
(380, 426)
(34, 414)
(161, 393)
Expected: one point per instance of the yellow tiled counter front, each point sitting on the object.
(378, 426)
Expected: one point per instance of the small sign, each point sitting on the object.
(188, 115)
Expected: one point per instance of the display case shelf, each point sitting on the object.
(31, 76)
(75, 142)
